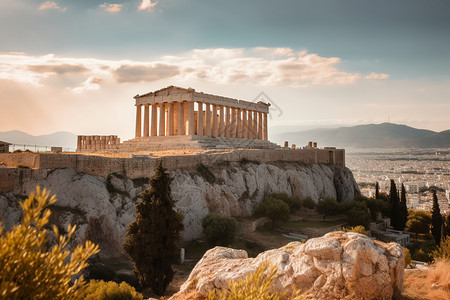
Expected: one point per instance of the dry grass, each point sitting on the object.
(428, 284)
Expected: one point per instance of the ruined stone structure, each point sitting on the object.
(179, 111)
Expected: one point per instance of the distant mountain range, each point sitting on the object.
(385, 135)
(58, 139)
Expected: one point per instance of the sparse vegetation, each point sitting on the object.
(357, 229)
(443, 250)
(254, 286)
(101, 290)
(292, 202)
(32, 269)
(219, 230)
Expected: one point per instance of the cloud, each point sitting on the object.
(57, 69)
(140, 73)
(147, 5)
(238, 66)
(51, 5)
(111, 8)
(377, 76)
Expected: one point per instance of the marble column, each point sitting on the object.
(250, 125)
(154, 127)
(200, 118)
(227, 122)
(260, 126)
(208, 119)
(214, 120)
(138, 121)
(162, 119)
(180, 122)
(238, 123)
(255, 125)
(233, 123)
(265, 130)
(170, 119)
(191, 121)
(146, 119)
(244, 124)
(221, 121)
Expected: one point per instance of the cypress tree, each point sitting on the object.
(395, 206)
(403, 209)
(436, 220)
(151, 240)
(377, 190)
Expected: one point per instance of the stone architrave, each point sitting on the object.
(154, 127)
(208, 119)
(200, 114)
(138, 121)
(146, 119)
(214, 120)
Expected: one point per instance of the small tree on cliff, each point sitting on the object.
(377, 190)
(436, 220)
(151, 240)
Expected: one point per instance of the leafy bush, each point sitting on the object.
(421, 255)
(419, 221)
(219, 230)
(407, 256)
(275, 209)
(328, 207)
(443, 251)
(254, 286)
(357, 229)
(308, 202)
(101, 290)
(29, 267)
(358, 215)
(293, 203)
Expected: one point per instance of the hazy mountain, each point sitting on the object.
(58, 139)
(385, 135)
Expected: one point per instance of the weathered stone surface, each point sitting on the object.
(337, 266)
(109, 203)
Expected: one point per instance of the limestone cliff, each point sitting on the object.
(102, 208)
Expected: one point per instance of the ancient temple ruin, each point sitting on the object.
(177, 118)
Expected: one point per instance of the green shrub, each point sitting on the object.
(443, 251)
(293, 203)
(101, 290)
(328, 207)
(275, 209)
(308, 202)
(421, 255)
(219, 230)
(29, 267)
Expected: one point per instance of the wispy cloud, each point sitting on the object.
(147, 5)
(377, 76)
(111, 7)
(51, 5)
(238, 66)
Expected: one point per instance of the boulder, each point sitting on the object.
(336, 266)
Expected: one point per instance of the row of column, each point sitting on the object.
(97, 142)
(180, 118)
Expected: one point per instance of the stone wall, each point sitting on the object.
(142, 166)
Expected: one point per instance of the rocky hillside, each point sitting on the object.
(102, 208)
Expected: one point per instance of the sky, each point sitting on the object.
(75, 65)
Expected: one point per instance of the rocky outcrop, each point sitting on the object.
(103, 208)
(336, 266)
